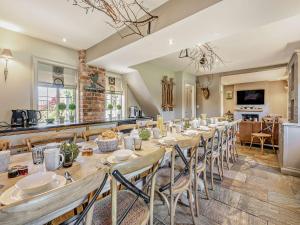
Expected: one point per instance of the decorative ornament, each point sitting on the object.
(202, 56)
(123, 13)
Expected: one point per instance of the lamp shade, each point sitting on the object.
(6, 53)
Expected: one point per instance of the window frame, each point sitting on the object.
(35, 84)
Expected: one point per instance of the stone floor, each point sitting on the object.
(253, 192)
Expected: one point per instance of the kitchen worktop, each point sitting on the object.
(44, 126)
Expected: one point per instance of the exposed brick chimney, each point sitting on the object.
(91, 103)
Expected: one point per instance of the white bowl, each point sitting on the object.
(36, 182)
(122, 155)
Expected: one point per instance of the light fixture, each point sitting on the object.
(6, 54)
(64, 40)
(170, 41)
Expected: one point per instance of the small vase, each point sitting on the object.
(62, 119)
(68, 159)
(72, 119)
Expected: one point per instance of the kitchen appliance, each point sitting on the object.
(18, 118)
(133, 112)
(33, 116)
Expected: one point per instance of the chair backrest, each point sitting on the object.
(4, 144)
(50, 138)
(268, 125)
(43, 208)
(93, 133)
(149, 160)
(150, 124)
(125, 127)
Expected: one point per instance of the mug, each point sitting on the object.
(129, 142)
(4, 160)
(156, 133)
(53, 159)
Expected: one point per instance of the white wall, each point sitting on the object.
(16, 93)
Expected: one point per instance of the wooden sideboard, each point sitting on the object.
(249, 127)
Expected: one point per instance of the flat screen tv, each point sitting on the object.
(251, 97)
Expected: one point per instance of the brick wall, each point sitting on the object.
(91, 103)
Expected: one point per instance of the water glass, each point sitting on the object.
(38, 154)
(4, 160)
(156, 133)
(137, 144)
(129, 142)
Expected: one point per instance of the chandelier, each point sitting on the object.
(122, 13)
(201, 56)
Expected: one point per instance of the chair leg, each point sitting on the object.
(272, 139)
(227, 157)
(262, 142)
(212, 174)
(219, 168)
(191, 204)
(222, 162)
(252, 137)
(196, 179)
(205, 184)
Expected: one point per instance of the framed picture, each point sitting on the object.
(229, 94)
(111, 81)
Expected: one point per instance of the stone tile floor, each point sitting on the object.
(253, 192)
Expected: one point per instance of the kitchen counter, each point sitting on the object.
(4, 131)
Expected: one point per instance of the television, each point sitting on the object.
(250, 97)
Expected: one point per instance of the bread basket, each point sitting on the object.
(106, 145)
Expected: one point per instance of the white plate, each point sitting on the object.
(167, 140)
(190, 132)
(205, 128)
(112, 159)
(14, 194)
(123, 154)
(36, 182)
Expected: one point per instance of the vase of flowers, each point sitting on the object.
(70, 152)
(110, 107)
(61, 108)
(72, 108)
(119, 108)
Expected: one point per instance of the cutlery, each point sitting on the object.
(68, 177)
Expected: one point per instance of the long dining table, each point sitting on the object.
(87, 172)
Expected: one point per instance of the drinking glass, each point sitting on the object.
(137, 144)
(38, 154)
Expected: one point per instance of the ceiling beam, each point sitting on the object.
(169, 13)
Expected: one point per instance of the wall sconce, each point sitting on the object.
(6, 54)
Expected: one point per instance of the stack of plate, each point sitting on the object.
(32, 185)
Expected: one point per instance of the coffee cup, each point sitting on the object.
(4, 160)
(53, 159)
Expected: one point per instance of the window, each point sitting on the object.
(114, 97)
(50, 93)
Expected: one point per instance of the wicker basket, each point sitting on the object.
(106, 145)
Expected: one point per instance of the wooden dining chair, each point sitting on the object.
(214, 155)
(50, 138)
(93, 133)
(173, 184)
(4, 144)
(200, 167)
(266, 132)
(43, 208)
(151, 124)
(125, 127)
(132, 206)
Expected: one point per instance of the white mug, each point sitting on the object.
(156, 133)
(129, 142)
(53, 159)
(4, 160)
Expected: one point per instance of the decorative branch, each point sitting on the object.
(123, 13)
(202, 56)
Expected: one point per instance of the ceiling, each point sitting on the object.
(53, 20)
(246, 33)
(263, 46)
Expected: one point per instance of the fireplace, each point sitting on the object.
(251, 117)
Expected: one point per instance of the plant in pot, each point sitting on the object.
(70, 152)
(145, 134)
(119, 108)
(110, 107)
(61, 108)
(72, 108)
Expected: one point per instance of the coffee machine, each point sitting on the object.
(18, 118)
(33, 116)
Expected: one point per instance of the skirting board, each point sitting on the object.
(290, 171)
